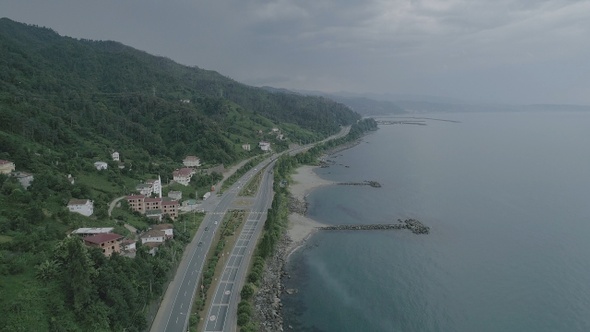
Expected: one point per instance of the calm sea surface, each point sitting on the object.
(507, 199)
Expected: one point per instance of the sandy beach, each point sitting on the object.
(300, 227)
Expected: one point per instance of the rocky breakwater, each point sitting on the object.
(412, 224)
(373, 184)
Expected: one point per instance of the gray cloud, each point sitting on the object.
(524, 51)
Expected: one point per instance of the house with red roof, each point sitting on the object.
(108, 242)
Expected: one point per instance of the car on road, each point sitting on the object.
(200, 244)
(207, 228)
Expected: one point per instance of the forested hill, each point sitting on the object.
(94, 96)
(66, 104)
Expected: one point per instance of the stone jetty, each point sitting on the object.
(412, 224)
(373, 184)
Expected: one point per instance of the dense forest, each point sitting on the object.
(67, 103)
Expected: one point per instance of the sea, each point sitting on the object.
(507, 198)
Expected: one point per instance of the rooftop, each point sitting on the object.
(93, 230)
(75, 201)
(102, 238)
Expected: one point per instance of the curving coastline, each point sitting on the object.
(301, 227)
(267, 301)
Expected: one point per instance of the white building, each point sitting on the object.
(24, 178)
(191, 161)
(183, 175)
(168, 229)
(264, 146)
(153, 235)
(100, 165)
(84, 207)
(246, 147)
(156, 185)
(115, 156)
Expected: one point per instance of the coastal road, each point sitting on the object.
(175, 308)
(174, 312)
(222, 314)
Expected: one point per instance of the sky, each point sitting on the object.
(500, 51)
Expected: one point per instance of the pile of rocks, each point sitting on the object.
(267, 300)
(297, 206)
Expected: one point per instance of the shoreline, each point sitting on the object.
(267, 300)
(300, 228)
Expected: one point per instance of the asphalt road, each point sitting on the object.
(222, 314)
(174, 311)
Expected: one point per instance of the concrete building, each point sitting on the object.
(84, 207)
(183, 175)
(109, 243)
(264, 146)
(143, 204)
(100, 165)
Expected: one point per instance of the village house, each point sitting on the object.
(6, 166)
(100, 165)
(170, 208)
(153, 235)
(144, 189)
(109, 242)
(135, 202)
(168, 230)
(191, 161)
(143, 204)
(183, 175)
(128, 245)
(153, 186)
(175, 195)
(88, 231)
(24, 178)
(154, 214)
(246, 147)
(115, 156)
(84, 207)
(156, 185)
(264, 146)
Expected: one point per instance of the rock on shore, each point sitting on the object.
(267, 300)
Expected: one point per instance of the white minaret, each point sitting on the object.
(160, 182)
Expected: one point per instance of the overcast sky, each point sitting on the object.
(505, 51)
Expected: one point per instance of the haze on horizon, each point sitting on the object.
(505, 51)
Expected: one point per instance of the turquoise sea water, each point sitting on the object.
(507, 198)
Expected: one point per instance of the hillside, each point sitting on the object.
(61, 91)
(67, 103)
